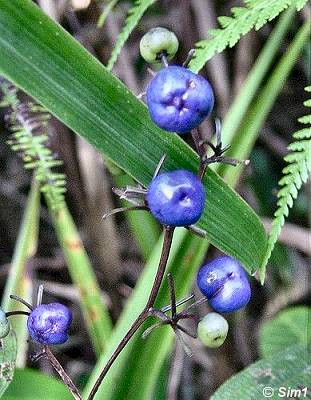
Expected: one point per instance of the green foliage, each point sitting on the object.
(130, 312)
(287, 368)
(294, 175)
(240, 105)
(134, 16)
(29, 384)
(255, 14)
(108, 8)
(94, 311)
(8, 352)
(28, 122)
(79, 91)
(18, 281)
(291, 326)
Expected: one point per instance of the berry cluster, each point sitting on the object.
(179, 100)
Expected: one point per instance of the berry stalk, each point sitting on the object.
(167, 243)
(46, 352)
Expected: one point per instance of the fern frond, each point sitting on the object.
(27, 122)
(294, 175)
(134, 16)
(255, 14)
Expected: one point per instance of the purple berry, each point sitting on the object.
(224, 282)
(176, 198)
(179, 100)
(49, 323)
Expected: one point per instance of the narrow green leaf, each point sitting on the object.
(29, 384)
(71, 84)
(132, 309)
(95, 313)
(108, 8)
(8, 353)
(250, 128)
(135, 384)
(19, 282)
(248, 91)
(289, 368)
(289, 327)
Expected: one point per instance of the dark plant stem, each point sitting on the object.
(147, 311)
(46, 352)
(198, 142)
(17, 298)
(200, 148)
(172, 295)
(123, 209)
(10, 313)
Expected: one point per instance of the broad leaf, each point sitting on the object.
(8, 352)
(46, 62)
(290, 327)
(286, 369)
(29, 384)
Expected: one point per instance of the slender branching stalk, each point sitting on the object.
(167, 243)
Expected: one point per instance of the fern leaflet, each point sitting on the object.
(294, 175)
(134, 16)
(27, 122)
(255, 14)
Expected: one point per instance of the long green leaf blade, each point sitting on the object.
(258, 112)
(289, 368)
(132, 309)
(248, 91)
(76, 88)
(95, 313)
(19, 282)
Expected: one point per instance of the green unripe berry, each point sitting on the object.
(158, 41)
(212, 330)
(4, 325)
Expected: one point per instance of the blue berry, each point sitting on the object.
(225, 284)
(49, 323)
(176, 198)
(179, 100)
